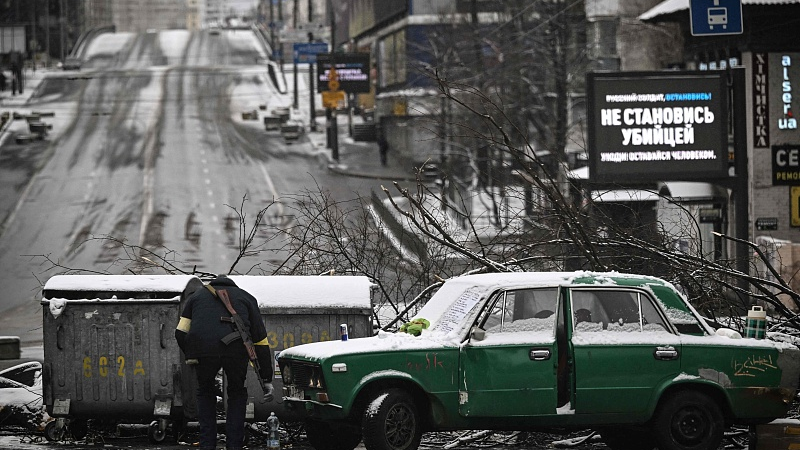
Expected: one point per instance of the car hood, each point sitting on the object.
(382, 342)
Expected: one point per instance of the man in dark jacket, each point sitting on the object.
(199, 335)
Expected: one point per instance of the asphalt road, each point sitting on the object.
(149, 147)
(133, 439)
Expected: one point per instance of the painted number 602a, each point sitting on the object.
(288, 339)
(104, 367)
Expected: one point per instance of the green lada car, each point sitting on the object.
(622, 354)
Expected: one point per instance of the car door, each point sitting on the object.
(511, 370)
(623, 348)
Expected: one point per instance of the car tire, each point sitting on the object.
(628, 438)
(322, 436)
(391, 422)
(688, 420)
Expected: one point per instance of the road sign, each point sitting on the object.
(714, 17)
(332, 99)
(333, 79)
(306, 53)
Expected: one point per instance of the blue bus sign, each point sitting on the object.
(306, 53)
(715, 17)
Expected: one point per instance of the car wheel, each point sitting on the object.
(628, 438)
(391, 422)
(688, 420)
(322, 436)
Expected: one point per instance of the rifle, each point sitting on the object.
(241, 332)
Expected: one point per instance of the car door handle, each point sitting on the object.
(540, 354)
(666, 353)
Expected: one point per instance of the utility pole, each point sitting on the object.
(35, 46)
(272, 26)
(330, 113)
(312, 90)
(296, 103)
(47, 30)
(61, 28)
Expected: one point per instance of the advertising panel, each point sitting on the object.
(775, 78)
(657, 126)
(351, 68)
(786, 165)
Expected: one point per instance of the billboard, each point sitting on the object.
(352, 68)
(786, 165)
(657, 126)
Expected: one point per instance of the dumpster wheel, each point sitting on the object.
(157, 431)
(54, 431)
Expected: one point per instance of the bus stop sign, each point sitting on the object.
(715, 17)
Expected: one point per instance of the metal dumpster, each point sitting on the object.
(302, 309)
(110, 351)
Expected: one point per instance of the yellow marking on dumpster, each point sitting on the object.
(103, 366)
(87, 367)
(139, 370)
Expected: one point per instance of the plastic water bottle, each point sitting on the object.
(756, 325)
(274, 437)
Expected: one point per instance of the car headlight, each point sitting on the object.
(315, 380)
(286, 374)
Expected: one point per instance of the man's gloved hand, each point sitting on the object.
(268, 392)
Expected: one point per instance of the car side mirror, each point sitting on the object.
(478, 334)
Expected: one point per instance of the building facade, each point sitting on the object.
(142, 15)
(769, 54)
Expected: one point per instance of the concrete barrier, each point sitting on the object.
(9, 347)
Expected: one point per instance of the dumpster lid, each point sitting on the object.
(308, 291)
(119, 283)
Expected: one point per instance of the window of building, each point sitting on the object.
(392, 59)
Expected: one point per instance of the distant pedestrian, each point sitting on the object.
(383, 146)
(2, 81)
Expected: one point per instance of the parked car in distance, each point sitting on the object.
(72, 64)
(626, 355)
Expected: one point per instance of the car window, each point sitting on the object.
(610, 310)
(521, 310)
(24, 373)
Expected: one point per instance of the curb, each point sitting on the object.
(341, 169)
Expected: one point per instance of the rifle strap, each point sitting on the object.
(222, 295)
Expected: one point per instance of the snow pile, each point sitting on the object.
(173, 44)
(308, 291)
(57, 306)
(246, 41)
(380, 343)
(119, 283)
